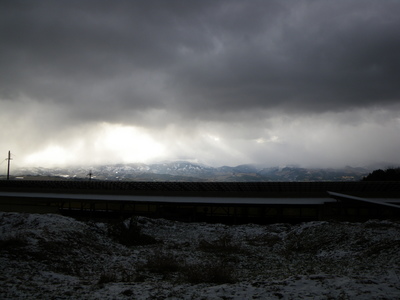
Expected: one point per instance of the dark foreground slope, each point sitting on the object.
(56, 257)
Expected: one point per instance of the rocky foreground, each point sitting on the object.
(56, 257)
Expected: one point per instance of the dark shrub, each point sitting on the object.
(209, 272)
(129, 234)
(162, 262)
(12, 242)
(107, 277)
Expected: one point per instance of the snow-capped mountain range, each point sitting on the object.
(187, 171)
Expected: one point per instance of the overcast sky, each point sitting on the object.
(312, 83)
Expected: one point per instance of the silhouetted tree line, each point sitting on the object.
(391, 174)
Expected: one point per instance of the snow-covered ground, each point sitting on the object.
(56, 257)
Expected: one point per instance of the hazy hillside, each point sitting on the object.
(186, 171)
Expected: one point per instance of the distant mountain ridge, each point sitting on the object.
(187, 171)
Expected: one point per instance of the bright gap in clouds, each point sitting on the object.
(325, 140)
(105, 143)
(128, 143)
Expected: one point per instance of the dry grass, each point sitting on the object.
(213, 270)
(224, 244)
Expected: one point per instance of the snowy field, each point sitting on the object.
(55, 257)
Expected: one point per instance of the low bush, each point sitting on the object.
(12, 241)
(209, 272)
(162, 262)
(107, 277)
(129, 234)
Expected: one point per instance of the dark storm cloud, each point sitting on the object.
(226, 82)
(98, 57)
(315, 59)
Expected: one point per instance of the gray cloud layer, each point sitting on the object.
(186, 64)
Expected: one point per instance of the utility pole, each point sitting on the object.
(90, 175)
(8, 167)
